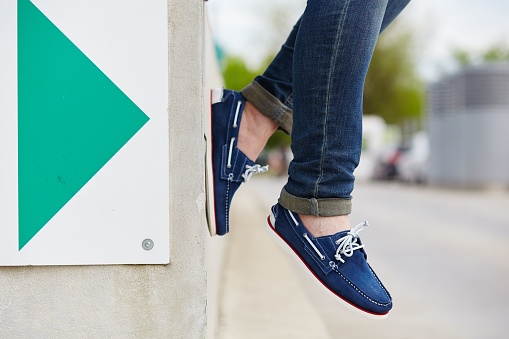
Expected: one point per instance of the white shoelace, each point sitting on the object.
(255, 169)
(348, 243)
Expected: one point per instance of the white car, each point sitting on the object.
(413, 166)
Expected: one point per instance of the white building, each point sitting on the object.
(468, 128)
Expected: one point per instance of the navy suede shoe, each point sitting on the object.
(337, 263)
(227, 167)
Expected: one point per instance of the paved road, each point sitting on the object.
(443, 254)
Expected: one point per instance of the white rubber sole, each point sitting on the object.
(282, 243)
(209, 171)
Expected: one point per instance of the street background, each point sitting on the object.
(441, 253)
(433, 181)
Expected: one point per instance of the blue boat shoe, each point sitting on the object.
(226, 166)
(337, 263)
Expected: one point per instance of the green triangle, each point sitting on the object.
(72, 120)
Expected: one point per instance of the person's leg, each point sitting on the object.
(332, 52)
(268, 106)
(271, 94)
(330, 64)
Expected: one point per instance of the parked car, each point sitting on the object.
(386, 167)
(413, 165)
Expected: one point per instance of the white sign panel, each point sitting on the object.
(83, 132)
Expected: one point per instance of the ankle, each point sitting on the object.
(323, 226)
(255, 131)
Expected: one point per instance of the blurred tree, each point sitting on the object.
(462, 57)
(237, 75)
(393, 89)
(496, 53)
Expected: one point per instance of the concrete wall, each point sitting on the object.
(215, 245)
(134, 301)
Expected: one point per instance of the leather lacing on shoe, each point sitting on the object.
(250, 170)
(255, 169)
(239, 103)
(322, 257)
(346, 245)
(232, 140)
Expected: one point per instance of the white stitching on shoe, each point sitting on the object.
(348, 243)
(360, 292)
(229, 163)
(230, 179)
(293, 218)
(378, 280)
(322, 257)
(255, 169)
(239, 103)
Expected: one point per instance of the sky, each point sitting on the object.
(242, 27)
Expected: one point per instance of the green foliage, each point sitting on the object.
(237, 75)
(278, 139)
(462, 57)
(393, 89)
(496, 53)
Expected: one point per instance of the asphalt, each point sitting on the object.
(441, 253)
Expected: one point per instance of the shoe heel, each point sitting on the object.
(216, 95)
(209, 174)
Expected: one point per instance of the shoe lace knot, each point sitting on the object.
(255, 169)
(348, 244)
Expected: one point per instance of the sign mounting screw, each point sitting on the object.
(147, 244)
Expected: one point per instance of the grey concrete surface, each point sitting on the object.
(134, 301)
(441, 253)
(260, 294)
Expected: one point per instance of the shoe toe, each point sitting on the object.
(367, 291)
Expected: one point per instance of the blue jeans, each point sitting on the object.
(313, 89)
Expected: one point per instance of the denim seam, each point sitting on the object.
(280, 113)
(289, 100)
(329, 84)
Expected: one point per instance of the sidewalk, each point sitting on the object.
(441, 252)
(261, 296)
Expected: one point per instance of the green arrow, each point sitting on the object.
(72, 119)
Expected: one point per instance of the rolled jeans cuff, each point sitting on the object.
(269, 105)
(327, 207)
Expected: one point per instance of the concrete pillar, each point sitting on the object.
(134, 301)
